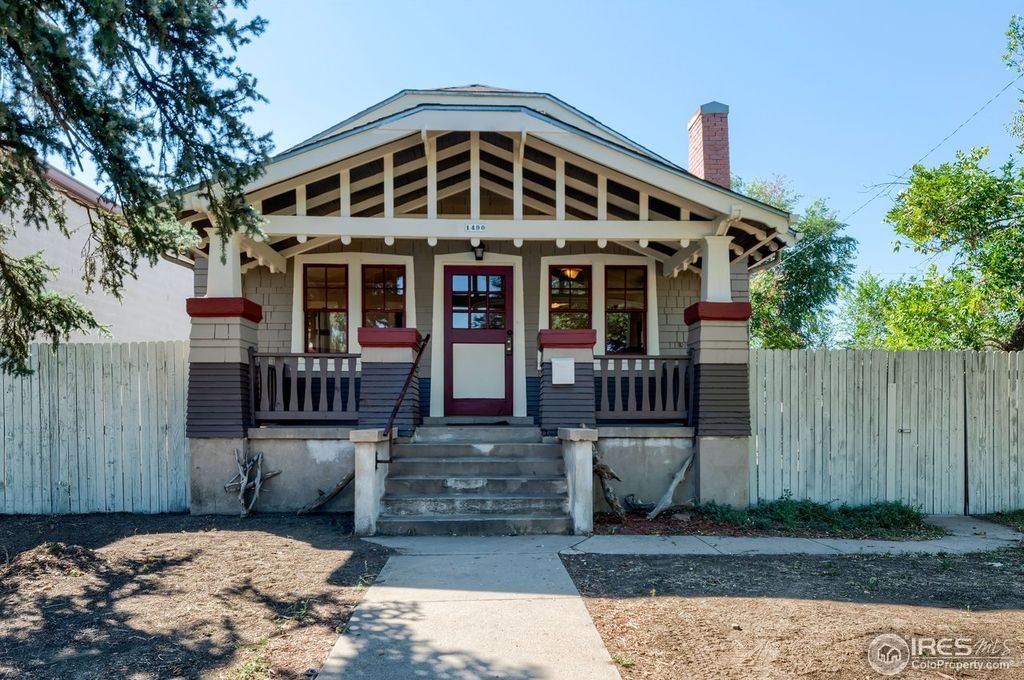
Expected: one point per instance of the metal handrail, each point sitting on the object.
(420, 346)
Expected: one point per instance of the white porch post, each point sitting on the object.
(715, 279)
(224, 275)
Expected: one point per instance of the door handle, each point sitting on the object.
(508, 342)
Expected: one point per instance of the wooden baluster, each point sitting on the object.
(630, 385)
(279, 378)
(307, 385)
(675, 404)
(657, 405)
(322, 408)
(645, 386)
(339, 407)
(602, 366)
(288, 371)
(293, 368)
(263, 376)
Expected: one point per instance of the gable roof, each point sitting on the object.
(492, 96)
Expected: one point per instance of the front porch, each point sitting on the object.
(482, 264)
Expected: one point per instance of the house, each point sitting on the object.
(574, 285)
(150, 305)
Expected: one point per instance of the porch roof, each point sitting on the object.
(483, 163)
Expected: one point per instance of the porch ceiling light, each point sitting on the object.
(478, 251)
(571, 272)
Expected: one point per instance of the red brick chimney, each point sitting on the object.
(709, 143)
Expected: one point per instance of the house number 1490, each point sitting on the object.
(476, 227)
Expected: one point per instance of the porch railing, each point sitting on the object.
(304, 387)
(640, 388)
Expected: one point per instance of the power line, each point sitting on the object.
(803, 247)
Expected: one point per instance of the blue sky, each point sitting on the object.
(837, 97)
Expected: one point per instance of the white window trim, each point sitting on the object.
(598, 262)
(355, 262)
(437, 367)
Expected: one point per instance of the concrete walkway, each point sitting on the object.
(504, 607)
(500, 607)
(965, 534)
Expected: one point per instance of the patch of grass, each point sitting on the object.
(256, 667)
(877, 520)
(1014, 518)
(623, 661)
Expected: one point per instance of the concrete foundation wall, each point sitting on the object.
(646, 466)
(306, 465)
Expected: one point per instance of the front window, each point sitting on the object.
(326, 308)
(384, 296)
(625, 310)
(569, 296)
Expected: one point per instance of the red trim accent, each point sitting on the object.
(583, 338)
(388, 337)
(717, 311)
(224, 306)
(476, 407)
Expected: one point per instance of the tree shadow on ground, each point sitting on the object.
(979, 581)
(380, 642)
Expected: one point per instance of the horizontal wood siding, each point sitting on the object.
(567, 405)
(218, 400)
(96, 428)
(721, 400)
(380, 387)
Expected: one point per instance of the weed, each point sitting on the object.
(1013, 518)
(879, 520)
(623, 661)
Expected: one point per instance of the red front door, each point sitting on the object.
(477, 341)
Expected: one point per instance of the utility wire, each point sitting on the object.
(803, 247)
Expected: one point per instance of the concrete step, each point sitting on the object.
(482, 504)
(447, 421)
(413, 485)
(448, 450)
(473, 525)
(477, 434)
(476, 466)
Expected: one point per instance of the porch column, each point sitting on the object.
(388, 354)
(567, 379)
(223, 331)
(719, 349)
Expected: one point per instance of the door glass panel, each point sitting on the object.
(460, 320)
(497, 320)
(497, 301)
(481, 283)
(478, 320)
(497, 283)
(460, 282)
(460, 302)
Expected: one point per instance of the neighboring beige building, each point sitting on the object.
(152, 307)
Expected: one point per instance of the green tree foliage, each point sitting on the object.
(791, 302)
(861, 324)
(148, 93)
(973, 213)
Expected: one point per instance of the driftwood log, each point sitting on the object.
(249, 480)
(324, 498)
(666, 500)
(604, 474)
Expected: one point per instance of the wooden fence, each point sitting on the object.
(938, 430)
(96, 428)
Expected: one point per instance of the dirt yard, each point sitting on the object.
(794, 616)
(129, 596)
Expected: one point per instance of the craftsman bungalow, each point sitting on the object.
(496, 279)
